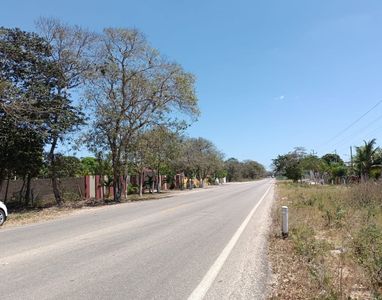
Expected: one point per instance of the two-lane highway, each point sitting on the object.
(165, 249)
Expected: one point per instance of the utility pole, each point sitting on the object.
(351, 159)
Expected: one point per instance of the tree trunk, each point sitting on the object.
(181, 182)
(116, 174)
(141, 178)
(126, 182)
(115, 178)
(54, 177)
(202, 178)
(152, 186)
(366, 176)
(117, 187)
(56, 191)
(2, 177)
(115, 181)
(102, 183)
(21, 192)
(28, 190)
(159, 183)
(6, 191)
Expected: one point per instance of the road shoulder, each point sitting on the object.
(246, 272)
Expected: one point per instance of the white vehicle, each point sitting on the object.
(3, 213)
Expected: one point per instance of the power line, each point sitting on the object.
(368, 135)
(353, 123)
(355, 135)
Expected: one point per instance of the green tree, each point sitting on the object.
(200, 159)
(290, 164)
(367, 158)
(139, 156)
(21, 153)
(163, 148)
(28, 78)
(252, 170)
(26, 75)
(70, 53)
(332, 158)
(334, 166)
(35, 90)
(207, 158)
(234, 169)
(68, 166)
(89, 166)
(313, 163)
(246, 170)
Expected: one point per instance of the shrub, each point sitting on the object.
(368, 252)
(313, 252)
(334, 216)
(306, 244)
(365, 195)
(71, 197)
(132, 189)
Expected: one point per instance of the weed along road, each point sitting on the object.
(207, 244)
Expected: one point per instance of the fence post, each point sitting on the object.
(284, 229)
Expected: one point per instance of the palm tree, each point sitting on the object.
(367, 158)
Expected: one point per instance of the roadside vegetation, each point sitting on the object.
(46, 210)
(64, 89)
(334, 247)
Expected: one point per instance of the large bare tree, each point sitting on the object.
(133, 88)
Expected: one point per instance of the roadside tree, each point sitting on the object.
(290, 164)
(367, 158)
(252, 170)
(133, 88)
(163, 148)
(28, 79)
(70, 53)
(334, 166)
(233, 167)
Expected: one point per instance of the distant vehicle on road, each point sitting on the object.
(3, 213)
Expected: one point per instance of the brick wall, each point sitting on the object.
(42, 188)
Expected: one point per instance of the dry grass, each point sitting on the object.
(334, 249)
(47, 211)
(29, 216)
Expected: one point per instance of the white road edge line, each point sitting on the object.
(207, 281)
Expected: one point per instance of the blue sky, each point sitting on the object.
(271, 75)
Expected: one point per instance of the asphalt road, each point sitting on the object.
(192, 244)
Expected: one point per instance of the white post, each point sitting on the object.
(284, 228)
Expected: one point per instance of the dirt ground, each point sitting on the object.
(28, 216)
(318, 259)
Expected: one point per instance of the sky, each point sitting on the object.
(271, 75)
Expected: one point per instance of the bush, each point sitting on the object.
(132, 189)
(336, 232)
(365, 195)
(71, 197)
(368, 252)
(306, 244)
(313, 252)
(334, 216)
